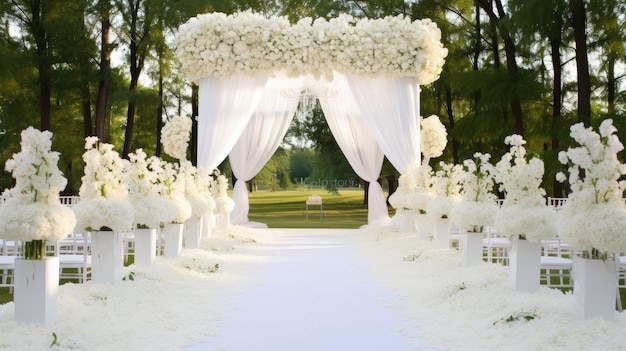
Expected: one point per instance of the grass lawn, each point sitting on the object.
(287, 209)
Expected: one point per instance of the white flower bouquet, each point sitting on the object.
(205, 182)
(424, 192)
(103, 192)
(173, 188)
(406, 185)
(433, 138)
(223, 203)
(193, 192)
(524, 212)
(151, 209)
(477, 208)
(175, 137)
(447, 186)
(594, 218)
(31, 210)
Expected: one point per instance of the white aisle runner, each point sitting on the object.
(314, 293)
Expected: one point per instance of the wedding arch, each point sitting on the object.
(252, 71)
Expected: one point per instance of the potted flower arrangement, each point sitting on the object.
(420, 198)
(151, 210)
(477, 208)
(524, 216)
(104, 210)
(198, 202)
(593, 220)
(400, 199)
(223, 204)
(32, 213)
(205, 182)
(173, 188)
(447, 186)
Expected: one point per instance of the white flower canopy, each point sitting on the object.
(252, 72)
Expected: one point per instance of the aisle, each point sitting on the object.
(313, 293)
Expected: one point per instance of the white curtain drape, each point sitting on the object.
(225, 106)
(391, 107)
(259, 140)
(357, 143)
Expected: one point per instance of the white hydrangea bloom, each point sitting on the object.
(447, 186)
(175, 137)
(433, 137)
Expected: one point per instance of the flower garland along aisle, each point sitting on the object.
(400, 200)
(32, 213)
(152, 211)
(477, 208)
(175, 138)
(447, 186)
(524, 216)
(104, 210)
(215, 44)
(593, 220)
(223, 204)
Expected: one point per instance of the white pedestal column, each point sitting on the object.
(107, 257)
(442, 233)
(472, 248)
(524, 265)
(193, 226)
(36, 290)
(422, 226)
(145, 247)
(173, 233)
(595, 288)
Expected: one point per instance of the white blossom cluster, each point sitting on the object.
(219, 188)
(524, 212)
(247, 43)
(175, 137)
(174, 189)
(193, 193)
(447, 187)
(205, 182)
(594, 216)
(477, 208)
(31, 210)
(433, 137)
(424, 192)
(406, 185)
(151, 209)
(103, 191)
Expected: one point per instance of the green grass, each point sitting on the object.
(287, 209)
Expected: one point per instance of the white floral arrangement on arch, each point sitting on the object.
(406, 185)
(151, 209)
(175, 136)
(31, 210)
(447, 186)
(477, 208)
(593, 219)
(193, 192)
(433, 138)
(247, 43)
(219, 188)
(103, 204)
(173, 188)
(524, 212)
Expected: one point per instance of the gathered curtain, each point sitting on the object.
(357, 143)
(225, 106)
(260, 139)
(390, 105)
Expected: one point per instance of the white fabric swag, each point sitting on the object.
(357, 143)
(391, 108)
(259, 140)
(226, 105)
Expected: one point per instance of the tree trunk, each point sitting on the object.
(136, 65)
(43, 62)
(582, 62)
(366, 192)
(557, 92)
(455, 143)
(159, 120)
(194, 124)
(104, 85)
(392, 180)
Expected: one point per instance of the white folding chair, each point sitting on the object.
(556, 262)
(74, 257)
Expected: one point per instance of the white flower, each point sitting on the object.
(447, 186)
(175, 137)
(32, 210)
(219, 188)
(433, 137)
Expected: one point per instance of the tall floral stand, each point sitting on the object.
(595, 287)
(442, 233)
(524, 265)
(422, 227)
(222, 220)
(145, 247)
(192, 233)
(472, 248)
(36, 289)
(207, 226)
(406, 221)
(107, 257)
(173, 235)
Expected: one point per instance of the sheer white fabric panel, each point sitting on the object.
(259, 140)
(391, 108)
(225, 106)
(357, 143)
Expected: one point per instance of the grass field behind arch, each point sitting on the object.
(287, 208)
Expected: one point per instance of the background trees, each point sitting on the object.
(105, 68)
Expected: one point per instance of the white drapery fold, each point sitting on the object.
(225, 106)
(391, 107)
(357, 143)
(259, 140)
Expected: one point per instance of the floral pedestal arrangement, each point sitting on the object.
(442, 233)
(524, 265)
(595, 286)
(145, 247)
(173, 233)
(472, 248)
(107, 257)
(193, 227)
(36, 290)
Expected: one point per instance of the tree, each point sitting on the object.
(579, 23)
